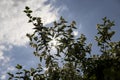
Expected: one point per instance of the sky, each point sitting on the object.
(14, 45)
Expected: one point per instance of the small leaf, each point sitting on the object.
(74, 27)
(34, 18)
(55, 24)
(28, 15)
(19, 66)
(40, 59)
(34, 45)
(29, 21)
(73, 22)
(30, 11)
(28, 35)
(19, 72)
(27, 8)
(104, 19)
(35, 38)
(10, 74)
(25, 11)
(33, 71)
(61, 18)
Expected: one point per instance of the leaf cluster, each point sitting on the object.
(69, 60)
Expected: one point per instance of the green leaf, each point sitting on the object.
(19, 73)
(104, 19)
(73, 22)
(29, 15)
(19, 66)
(27, 8)
(40, 59)
(61, 18)
(30, 11)
(43, 53)
(74, 27)
(25, 11)
(29, 21)
(48, 60)
(34, 45)
(36, 38)
(33, 71)
(10, 74)
(69, 31)
(35, 53)
(34, 18)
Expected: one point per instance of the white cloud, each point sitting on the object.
(14, 26)
(3, 62)
(3, 59)
(3, 75)
(1, 55)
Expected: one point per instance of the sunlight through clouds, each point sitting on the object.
(75, 33)
(54, 43)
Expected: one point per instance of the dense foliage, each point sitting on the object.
(64, 57)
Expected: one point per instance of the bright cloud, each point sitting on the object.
(14, 26)
(75, 33)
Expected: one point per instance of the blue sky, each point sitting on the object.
(14, 46)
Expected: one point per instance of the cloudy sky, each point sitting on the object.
(14, 48)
